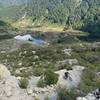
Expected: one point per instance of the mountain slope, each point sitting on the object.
(11, 2)
(75, 14)
(13, 9)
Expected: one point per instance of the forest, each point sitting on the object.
(72, 14)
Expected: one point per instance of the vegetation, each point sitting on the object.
(48, 78)
(82, 15)
(4, 24)
(29, 60)
(23, 83)
(64, 94)
(71, 14)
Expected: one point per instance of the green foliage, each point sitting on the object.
(41, 83)
(64, 94)
(23, 83)
(38, 71)
(48, 78)
(72, 14)
(89, 81)
(88, 56)
(11, 13)
(5, 25)
(2, 23)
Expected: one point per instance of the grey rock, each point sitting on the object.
(10, 90)
(4, 72)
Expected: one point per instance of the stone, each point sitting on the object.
(17, 71)
(25, 52)
(20, 64)
(3, 51)
(88, 97)
(29, 91)
(36, 57)
(18, 78)
(98, 74)
(72, 61)
(10, 90)
(4, 72)
(34, 52)
(74, 79)
(67, 51)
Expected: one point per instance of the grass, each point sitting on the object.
(22, 23)
(44, 27)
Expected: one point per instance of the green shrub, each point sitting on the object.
(5, 25)
(38, 71)
(24, 83)
(48, 78)
(41, 83)
(89, 81)
(2, 23)
(97, 82)
(64, 94)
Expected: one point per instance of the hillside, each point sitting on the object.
(7, 3)
(72, 14)
(49, 49)
(76, 14)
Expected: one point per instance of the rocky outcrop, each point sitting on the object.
(10, 90)
(4, 72)
(73, 78)
(95, 95)
(88, 97)
(9, 87)
(50, 91)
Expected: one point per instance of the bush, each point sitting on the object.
(2, 23)
(64, 94)
(97, 84)
(48, 78)
(24, 83)
(38, 71)
(5, 25)
(41, 83)
(89, 81)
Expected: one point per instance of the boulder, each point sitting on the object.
(74, 77)
(88, 97)
(94, 95)
(4, 72)
(10, 90)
